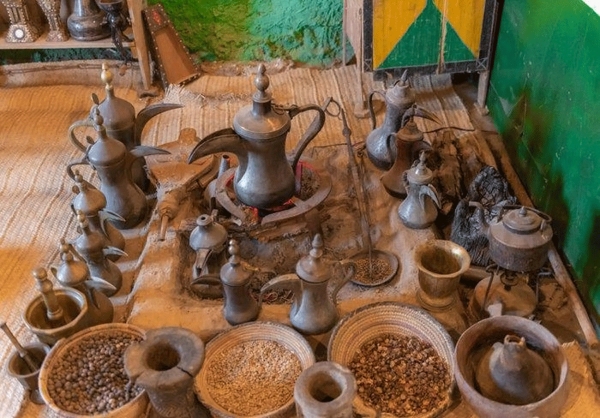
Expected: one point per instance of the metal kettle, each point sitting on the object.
(519, 238)
(314, 308)
(265, 176)
(420, 208)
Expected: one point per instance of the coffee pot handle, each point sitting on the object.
(371, 110)
(312, 131)
(71, 165)
(80, 123)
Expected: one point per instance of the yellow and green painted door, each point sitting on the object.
(434, 35)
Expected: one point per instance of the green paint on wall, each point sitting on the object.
(544, 98)
(243, 30)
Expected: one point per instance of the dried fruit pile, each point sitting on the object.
(401, 375)
(90, 377)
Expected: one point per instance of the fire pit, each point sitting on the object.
(313, 185)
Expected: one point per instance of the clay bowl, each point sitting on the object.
(371, 321)
(383, 256)
(135, 408)
(285, 336)
(477, 340)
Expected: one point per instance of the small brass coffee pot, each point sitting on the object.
(239, 305)
(420, 208)
(314, 308)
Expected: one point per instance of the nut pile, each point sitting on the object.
(89, 378)
(371, 274)
(253, 377)
(401, 375)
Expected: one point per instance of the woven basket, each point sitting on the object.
(133, 409)
(253, 331)
(371, 321)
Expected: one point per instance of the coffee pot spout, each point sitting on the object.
(224, 140)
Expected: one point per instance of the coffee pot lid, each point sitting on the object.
(233, 273)
(118, 113)
(260, 121)
(313, 267)
(410, 132)
(208, 234)
(88, 198)
(70, 272)
(522, 221)
(105, 150)
(420, 174)
(400, 94)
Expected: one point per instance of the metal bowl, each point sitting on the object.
(384, 256)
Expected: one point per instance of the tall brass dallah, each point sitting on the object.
(265, 177)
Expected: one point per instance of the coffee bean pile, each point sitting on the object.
(373, 272)
(401, 375)
(89, 378)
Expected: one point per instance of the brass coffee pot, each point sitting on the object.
(112, 161)
(121, 123)
(314, 308)
(399, 100)
(239, 306)
(265, 176)
(420, 208)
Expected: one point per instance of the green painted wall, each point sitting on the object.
(544, 97)
(306, 31)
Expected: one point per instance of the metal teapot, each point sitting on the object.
(420, 208)
(265, 176)
(121, 123)
(518, 239)
(314, 308)
(112, 161)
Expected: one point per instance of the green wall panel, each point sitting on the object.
(244, 30)
(543, 96)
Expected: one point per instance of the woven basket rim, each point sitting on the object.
(372, 309)
(224, 336)
(64, 343)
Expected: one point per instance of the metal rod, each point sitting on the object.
(31, 363)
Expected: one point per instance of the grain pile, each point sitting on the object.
(253, 377)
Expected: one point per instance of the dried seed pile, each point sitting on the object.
(401, 375)
(90, 377)
(253, 377)
(380, 270)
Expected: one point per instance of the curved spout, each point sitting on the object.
(224, 140)
(286, 281)
(420, 112)
(148, 113)
(348, 270)
(479, 206)
(429, 190)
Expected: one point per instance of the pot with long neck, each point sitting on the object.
(265, 175)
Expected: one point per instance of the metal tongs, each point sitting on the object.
(359, 187)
